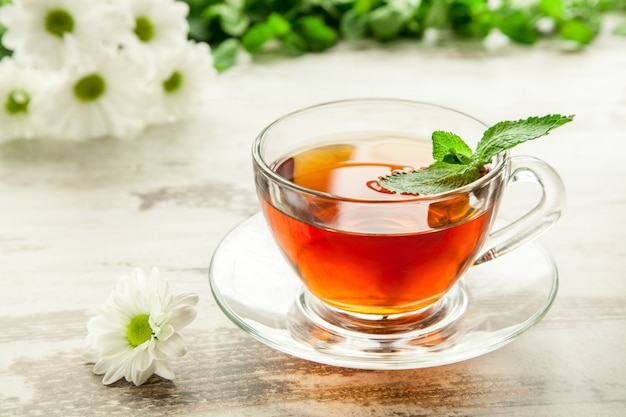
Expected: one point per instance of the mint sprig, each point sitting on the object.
(456, 165)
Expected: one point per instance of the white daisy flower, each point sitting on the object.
(38, 30)
(19, 86)
(159, 27)
(183, 82)
(96, 98)
(138, 329)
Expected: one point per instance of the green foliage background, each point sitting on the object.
(296, 27)
(301, 26)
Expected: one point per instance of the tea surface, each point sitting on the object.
(349, 168)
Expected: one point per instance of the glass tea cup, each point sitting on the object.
(370, 256)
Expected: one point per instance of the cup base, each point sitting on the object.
(326, 328)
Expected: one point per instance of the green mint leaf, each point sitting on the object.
(578, 31)
(353, 25)
(386, 22)
(437, 15)
(552, 8)
(508, 134)
(275, 26)
(225, 54)
(232, 19)
(471, 18)
(449, 147)
(362, 7)
(257, 36)
(294, 44)
(457, 166)
(517, 25)
(280, 26)
(436, 178)
(198, 30)
(318, 35)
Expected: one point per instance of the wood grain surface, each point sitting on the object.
(75, 216)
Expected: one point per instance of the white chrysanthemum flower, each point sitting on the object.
(160, 27)
(19, 86)
(138, 330)
(183, 82)
(38, 30)
(95, 98)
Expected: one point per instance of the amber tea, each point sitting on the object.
(377, 260)
(357, 253)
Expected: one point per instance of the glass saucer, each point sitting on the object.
(490, 306)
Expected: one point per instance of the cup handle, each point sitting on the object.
(539, 219)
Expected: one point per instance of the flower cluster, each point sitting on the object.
(137, 331)
(94, 68)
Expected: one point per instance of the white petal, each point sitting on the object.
(142, 360)
(182, 316)
(101, 367)
(174, 346)
(111, 346)
(139, 377)
(163, 370)
(185, 298)
(166, 332)
(112, 375)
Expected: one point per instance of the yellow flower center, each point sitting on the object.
(173, 83)
(17, 102)
(59, 21)
(139, 330)
(90, 87)
(144, 29)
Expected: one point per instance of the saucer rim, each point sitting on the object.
(280, 341)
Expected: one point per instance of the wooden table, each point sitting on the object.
(74, 217)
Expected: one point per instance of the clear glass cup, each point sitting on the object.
(380, 263)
